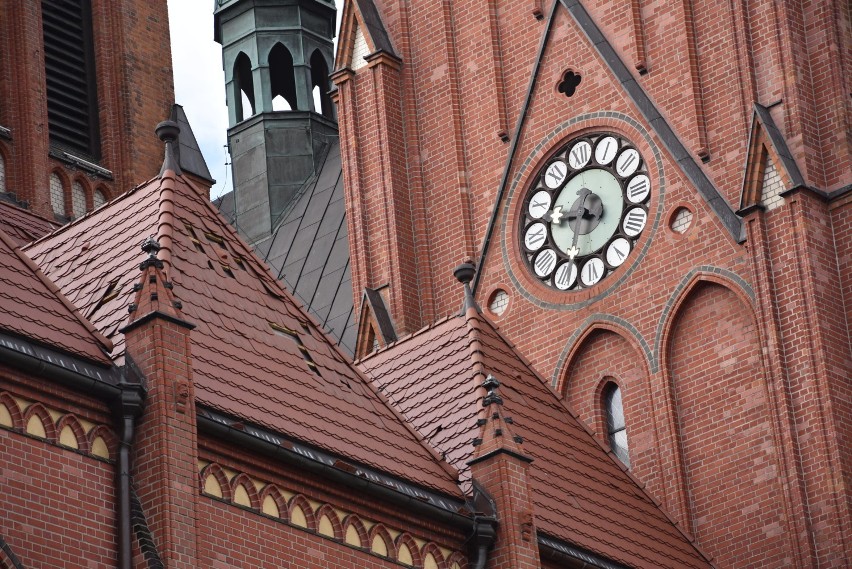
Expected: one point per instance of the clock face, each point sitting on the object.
(585, 212)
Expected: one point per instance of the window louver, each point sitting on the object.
(72, 109)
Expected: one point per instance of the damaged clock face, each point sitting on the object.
(585, 211)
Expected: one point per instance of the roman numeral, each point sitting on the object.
(619, 252)
(544, 263)
(637, 188)
(556, 172)
(626, 163)
(535, 236)
(634, 222)
(579, 154)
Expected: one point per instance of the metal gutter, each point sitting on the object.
(557, 550)
(400, 493)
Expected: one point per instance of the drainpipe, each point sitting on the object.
(129, 408)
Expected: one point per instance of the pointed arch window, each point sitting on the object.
(3, 189)
(57, 195)
(616, 427)
(243, 87)
(282, 78)
(320, 85)
(98, 198)
(78, 199)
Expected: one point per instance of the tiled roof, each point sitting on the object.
(580, 492)
(256, 355)
(32, 307)
(23, 225)
(309, 250)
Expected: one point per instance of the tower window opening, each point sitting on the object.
(78, 199)
(3, 189)
(615, 424)
(320, 85)
(282, 78)
(72, 105)
(243, 87)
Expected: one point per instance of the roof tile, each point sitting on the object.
(580, 492)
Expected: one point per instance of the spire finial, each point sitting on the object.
(464, 274)
(151, 246)
(168, 132)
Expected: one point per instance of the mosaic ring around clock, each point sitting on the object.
(585, 211)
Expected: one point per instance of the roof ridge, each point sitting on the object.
(105, 342)
(165, 219)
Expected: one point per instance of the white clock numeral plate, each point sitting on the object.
(634, 221)
(539, 204)
(617, 252)
(638, 189)
(565, 276)
(592, 271)
(628, 162)
(580, 155)
(555, 174)
(544, 262)
(535, 236)
(606, 150)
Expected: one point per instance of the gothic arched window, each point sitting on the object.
(320, 85)
(3, 189)
(282, 79)
(615, 426)
(57, 195)
(243, 87)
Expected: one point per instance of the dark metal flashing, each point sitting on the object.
(504, 181)
(375, 27)
(144, 537)
(5, 548)
(822, 194)
(649, 111)
(53, 364)
(761, 114)
(371, 481)
(380, 313)
(486, 456)
(151, 316)
(5, 133)
(188, 152)
(81, 163)
(557, 550)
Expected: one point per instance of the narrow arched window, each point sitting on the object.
(282, 79)
(3, 189)
(615, 426)
(243, 87)
(98, 199)
(57, 195)
(320, 84)
(78, 199)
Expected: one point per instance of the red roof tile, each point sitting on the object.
(254, 350)
(32, 307)
(23, 225)
(581, 493)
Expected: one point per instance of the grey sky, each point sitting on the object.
(200, 82)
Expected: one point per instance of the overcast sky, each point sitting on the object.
(200, 82)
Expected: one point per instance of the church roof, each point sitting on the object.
(257, 355)
(33, 308)
(309, 250)
(188, 152)
(581, 493)
(23, 225)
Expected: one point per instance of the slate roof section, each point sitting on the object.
(309, 250)
(22, 225)
(581, 493)
(33, 308)
(189, 153)
(248, 345)
(375, 26)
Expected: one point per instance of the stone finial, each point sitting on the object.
(464, 274)
(151, 247)
(168, 132)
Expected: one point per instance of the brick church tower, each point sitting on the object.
(657, 200)
(82, 82)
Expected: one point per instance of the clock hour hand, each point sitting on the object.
(582, 217)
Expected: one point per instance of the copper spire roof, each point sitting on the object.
(581, 493)
(32, 307)
(256, 355)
